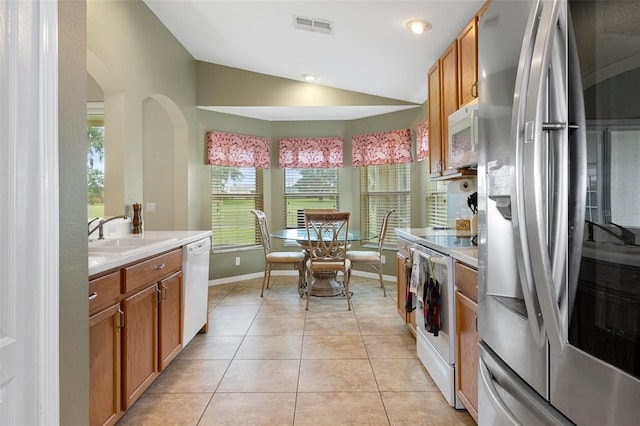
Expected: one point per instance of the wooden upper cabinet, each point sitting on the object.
(468, 63)
(435, 131)
(449, 88)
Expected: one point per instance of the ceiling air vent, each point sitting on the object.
(311, 24)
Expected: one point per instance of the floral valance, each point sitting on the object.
(307, 153)
(392, 147)
(232, 150)
(422, 140)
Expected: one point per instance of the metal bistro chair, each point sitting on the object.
(371, 257)
(273, 258)
(327, 248)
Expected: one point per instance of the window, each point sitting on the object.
(235, 191)
(95, 159)
(382, 188)
(436, 203)
(308, 189)
(95, 171)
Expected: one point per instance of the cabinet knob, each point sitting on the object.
(93, 295)
(160, 266)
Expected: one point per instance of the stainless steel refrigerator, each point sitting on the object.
(559, 212)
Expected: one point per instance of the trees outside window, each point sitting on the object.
(95, 171)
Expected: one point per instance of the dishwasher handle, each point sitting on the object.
(199, 247)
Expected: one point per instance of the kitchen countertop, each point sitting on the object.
(468, 255)
(150, 244)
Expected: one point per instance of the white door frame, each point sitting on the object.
(29, 194)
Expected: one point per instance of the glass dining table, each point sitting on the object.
(325, 284)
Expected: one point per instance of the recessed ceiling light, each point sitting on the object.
(418, 26)
(309, 77)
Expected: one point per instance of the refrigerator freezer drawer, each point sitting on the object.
(505, 399)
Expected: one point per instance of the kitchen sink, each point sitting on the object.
(124, 246)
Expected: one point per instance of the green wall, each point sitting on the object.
(73, 305)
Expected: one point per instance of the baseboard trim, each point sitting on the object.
(236, 278)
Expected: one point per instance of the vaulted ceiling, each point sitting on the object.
(369, 49)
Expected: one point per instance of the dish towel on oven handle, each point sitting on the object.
(417, 267)
(411, 268)
(431, 299)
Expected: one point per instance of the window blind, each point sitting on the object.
(382, 188)
(308, 189)
(235, 191)
(436, 203)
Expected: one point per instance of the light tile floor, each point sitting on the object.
(267, 361)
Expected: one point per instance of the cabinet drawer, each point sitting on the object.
(152, 270)
(467, 281)
(104, 291)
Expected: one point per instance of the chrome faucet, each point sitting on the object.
(100, 225)
(626, 236)
(90, 222)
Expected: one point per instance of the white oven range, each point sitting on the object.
(436, 350)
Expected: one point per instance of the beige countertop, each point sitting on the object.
(468, 255)
(116, 251)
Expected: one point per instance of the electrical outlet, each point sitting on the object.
(238, 261)
(383, 259)
(151, 207)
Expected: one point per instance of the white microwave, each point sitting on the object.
(463, 136)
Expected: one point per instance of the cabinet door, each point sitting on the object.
(449, 87)
(105, 407)
(170, 317)
(435, 130)
(401, 264)
(467, 353)
(402, 288)
(140, 343)
(468, 63)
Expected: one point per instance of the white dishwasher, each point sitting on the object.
(195, 270)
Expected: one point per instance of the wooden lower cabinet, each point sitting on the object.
(135, 332)
(140, 343)
(170, 315)
(467, 355)
(105, 357)
(467, 337)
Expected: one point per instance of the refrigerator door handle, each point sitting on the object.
(518, 213)
(546, 223)
(577, 168)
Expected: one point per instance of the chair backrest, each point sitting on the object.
(301, 212)
(383, 229)
(327, 235)
(319, 210)
(264, 230)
